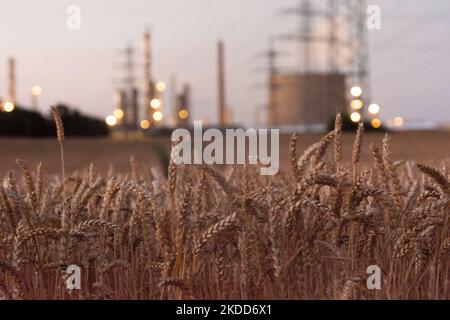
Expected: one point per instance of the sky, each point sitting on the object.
(409, 56)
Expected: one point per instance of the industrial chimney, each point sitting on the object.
(11, 80)
(120, 106)
(221, 84)
(184, 106)
(147, 83)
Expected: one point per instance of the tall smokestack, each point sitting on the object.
(184, 105)
(173, 99)
(11, 80)
(221, 83)
(146, 76)
(119, 101)
(133, 101)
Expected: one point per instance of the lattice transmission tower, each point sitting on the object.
(331, 39)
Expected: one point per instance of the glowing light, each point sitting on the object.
(36, 91)
(158, 116)
(355, 117)
(155, 103)
(183, 114)
(357, 104)
(9, 106)
(118, 114)
(161, 86)
(111, 121)
(356, 91)
(376, 123)
(374, 109)
(145, 124)
(399, 121)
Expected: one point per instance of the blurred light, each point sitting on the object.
(376, 123)
(399, 121)
(111, 121)
(145, 124)
(183, 114)
(158, 116)
(118, 114)
(9, 106)
(161, 86)
(355, 117)
(155, 103)
(356, 91)
(374, 109)
(357, 104)
(36, 91)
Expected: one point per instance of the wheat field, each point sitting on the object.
(309, 232)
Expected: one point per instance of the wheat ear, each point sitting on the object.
(60, 138)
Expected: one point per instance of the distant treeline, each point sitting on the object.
(26, 123)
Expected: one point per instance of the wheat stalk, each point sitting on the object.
(60, 138)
